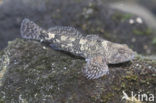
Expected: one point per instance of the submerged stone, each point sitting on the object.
(32, 72)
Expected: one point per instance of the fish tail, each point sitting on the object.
(30, 30)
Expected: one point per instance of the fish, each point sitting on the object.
(96, 51)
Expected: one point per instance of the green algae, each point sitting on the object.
(131, 77)
(107, 98)
(121, 17)
(147, 31)
(154, 41)
(1, 100)
(4, 62)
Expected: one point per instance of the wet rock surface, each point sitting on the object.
(32, 72)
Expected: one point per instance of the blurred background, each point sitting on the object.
(132, 22)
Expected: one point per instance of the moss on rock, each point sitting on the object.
(37, 73)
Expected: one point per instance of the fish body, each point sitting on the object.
(97, 51)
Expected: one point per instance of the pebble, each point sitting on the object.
(65, 68)
(44, 47)
(131, 21)
(139, 20)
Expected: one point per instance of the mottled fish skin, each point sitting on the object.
(97, 51)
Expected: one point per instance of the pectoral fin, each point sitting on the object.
(95, 67)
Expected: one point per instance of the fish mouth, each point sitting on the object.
(126, 59)
(132, 57)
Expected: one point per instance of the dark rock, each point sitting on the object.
(31, 72)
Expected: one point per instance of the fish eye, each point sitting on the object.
(122, 51)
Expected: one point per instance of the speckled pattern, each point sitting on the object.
(97, 51)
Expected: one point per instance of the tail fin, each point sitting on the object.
(30, 30)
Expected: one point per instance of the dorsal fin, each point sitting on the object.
(65, 30)
(30, 30)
